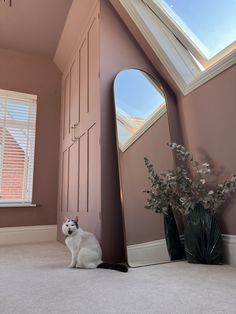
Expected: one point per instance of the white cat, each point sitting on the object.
(85, 249)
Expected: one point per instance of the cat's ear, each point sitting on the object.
(66, 219)
(76, 221)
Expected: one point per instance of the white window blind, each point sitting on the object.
(17, 142)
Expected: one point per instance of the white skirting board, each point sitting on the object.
(147, 253)
(156, 252)
(230, 248)
(28, 234)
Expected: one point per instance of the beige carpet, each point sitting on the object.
(34, 279)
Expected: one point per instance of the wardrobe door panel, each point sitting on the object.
(64, 183)
(83, 81)
(93, 67)
(74, 94)
(66, 122)
(73, 178)
(83, 171)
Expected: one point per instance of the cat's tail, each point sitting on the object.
(119, 267)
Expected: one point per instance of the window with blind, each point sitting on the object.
(17, 142)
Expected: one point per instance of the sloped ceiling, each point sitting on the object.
(33, 26)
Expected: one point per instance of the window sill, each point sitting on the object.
(18, 205)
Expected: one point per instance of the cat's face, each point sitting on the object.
(70, 226)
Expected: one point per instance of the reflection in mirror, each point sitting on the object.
(133, 89)
(142, 131)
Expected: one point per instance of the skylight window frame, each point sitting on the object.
(175, 57)
(184, 34)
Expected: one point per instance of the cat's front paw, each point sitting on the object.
(71, 265)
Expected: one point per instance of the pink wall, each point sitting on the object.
(118, 51)
(36, 75)
(208, 124)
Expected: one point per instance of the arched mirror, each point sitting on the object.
(142, 131)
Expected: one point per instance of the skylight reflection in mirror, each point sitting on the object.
(137, 100)
(211, 23)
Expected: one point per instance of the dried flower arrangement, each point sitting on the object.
(185, 186)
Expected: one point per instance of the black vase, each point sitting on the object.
(173, 243)
(202, 238)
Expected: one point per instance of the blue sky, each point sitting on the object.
(213, 21)
(135, 95)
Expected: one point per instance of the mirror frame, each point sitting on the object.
(130, 142)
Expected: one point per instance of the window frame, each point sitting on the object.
(178, 61)
(185, 34)
(28, 195)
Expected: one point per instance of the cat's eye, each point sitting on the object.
(66, 225)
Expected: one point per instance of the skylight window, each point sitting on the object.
(211, 23)
(193, 40)
(206, 28)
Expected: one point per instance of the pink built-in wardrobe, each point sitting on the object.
(80, 157)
